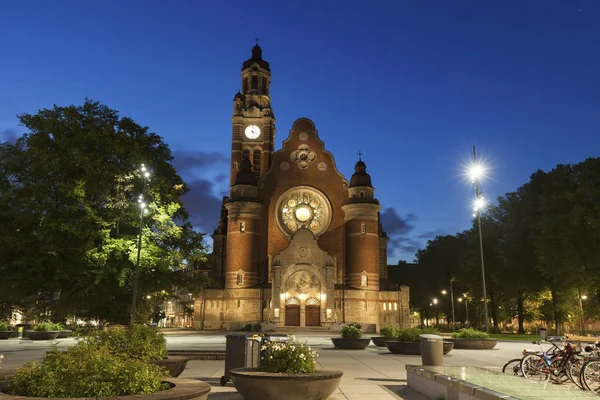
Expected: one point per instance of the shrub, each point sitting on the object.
(290, 357)
(350, 331)
(86, 371)
(470, 333)
(4, 326)
(389, 332)
(412, 334)
(47, 326)
(139, 342)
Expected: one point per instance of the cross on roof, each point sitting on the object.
(360, 156)
(257, 40)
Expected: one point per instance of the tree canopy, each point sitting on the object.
(68, 191)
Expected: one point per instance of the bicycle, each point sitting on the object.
(513, 367)
(543, 366)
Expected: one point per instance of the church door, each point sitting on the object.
(313, 315)
(292, 315)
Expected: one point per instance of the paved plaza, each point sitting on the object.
(373, 374)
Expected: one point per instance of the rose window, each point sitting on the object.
(303, 208)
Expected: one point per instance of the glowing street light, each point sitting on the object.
(143, 210)
(437, 321)
(477, 172)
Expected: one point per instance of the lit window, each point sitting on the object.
(390, 306)
(242, 227)
(364, 281)
(395, 306)
(384, 307)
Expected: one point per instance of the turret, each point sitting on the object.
(361, 213)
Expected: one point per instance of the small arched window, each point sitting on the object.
(242, 227)
(361, 195)
(363, 228)
(240, 279)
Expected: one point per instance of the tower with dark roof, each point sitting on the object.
(361, 213)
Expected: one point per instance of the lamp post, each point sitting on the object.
(460, 299)
(476, 172)
(143, 210)
(437, 321)
(581, 297)
(444, 292)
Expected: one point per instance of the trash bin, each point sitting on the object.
(241, 351)
(20, 332)
(543, 334)
(432, 350)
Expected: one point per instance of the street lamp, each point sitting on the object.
(476, 172)
(444, 292)
(437, 321)
(582, 297)
(460, 299)
(143, 210)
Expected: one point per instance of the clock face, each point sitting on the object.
(252, 132)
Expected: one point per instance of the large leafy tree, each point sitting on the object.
(69, 216)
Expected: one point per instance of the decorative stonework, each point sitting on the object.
(303, 156)
(322, 166)
(302, 282)
(284, 166)
(303, 207)
(303, 136)
(304, 254)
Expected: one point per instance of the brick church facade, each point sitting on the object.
(296, 244)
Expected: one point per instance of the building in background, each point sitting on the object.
(297, 244)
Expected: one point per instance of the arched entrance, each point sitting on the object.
(313, 312)
(292, 312)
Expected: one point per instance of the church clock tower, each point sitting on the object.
(253, 121)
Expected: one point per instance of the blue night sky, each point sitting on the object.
(412, 84)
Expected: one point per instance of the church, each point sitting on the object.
(297, 244)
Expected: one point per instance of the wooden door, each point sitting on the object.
(313, 315)
(292, 315)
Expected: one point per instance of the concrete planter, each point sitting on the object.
(181, 389)
(6, 334)
(412, 348)
(379, 341)
(350, 344)
(253, 384)
(473, 344)
(41, 335)
(65, 333)
(173, 364)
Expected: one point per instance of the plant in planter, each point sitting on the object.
(139, 342)
(469, 338)
(288, 371)
(387, 333)
(407, 341)
(44, 330)
(351, 338)
(6, 330)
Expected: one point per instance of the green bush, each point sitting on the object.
(288, 358)
(47, 326)
(86, 371)
(389, 332)
(4, 326)
(139, 342)
(470, 333)
(350, 331)
(412, 334)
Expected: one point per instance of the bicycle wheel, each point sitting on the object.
(590, 376)
(513, 367)
(533, 367)
(558, 370)
(574, 371)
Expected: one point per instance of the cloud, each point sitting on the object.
(431, 234)
(204, 208)
(188, 160)
(397, 229)
(8, 135)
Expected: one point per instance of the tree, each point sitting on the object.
(67, 208)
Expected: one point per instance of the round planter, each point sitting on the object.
(350, 344)
(253, 384)
(64, 334)
(473, 344)
(379, 341)
(39, 335)
(6, 334)
(181, 389)
(412, 348)
(173, 364)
